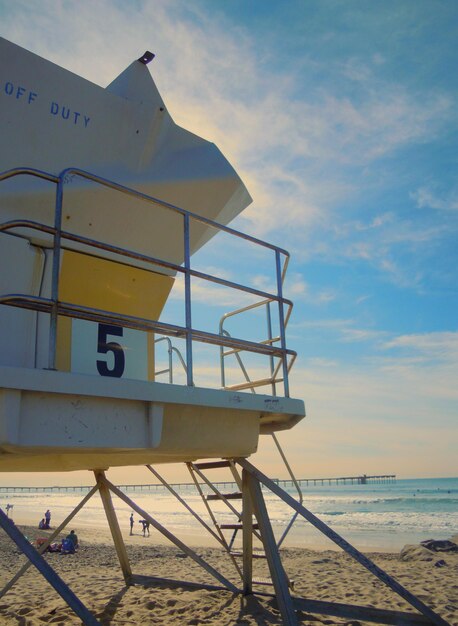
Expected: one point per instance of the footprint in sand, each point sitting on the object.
(24, 611)
(59, 618)
(151, 605)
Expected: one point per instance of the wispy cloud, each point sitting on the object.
(427, 198)
(213, 295)
(386, 348)
(350, 335)
(336, 324)
(394, 245)
(346, 331)
(429, 347)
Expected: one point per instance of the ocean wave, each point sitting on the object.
(406, 521)
(394, 501)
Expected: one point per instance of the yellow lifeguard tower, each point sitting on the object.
(91, 263)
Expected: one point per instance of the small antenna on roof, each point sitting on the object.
(146, 57)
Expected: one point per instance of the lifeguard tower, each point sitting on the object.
(104, 205)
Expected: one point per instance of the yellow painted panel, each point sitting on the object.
(102, 284)
(64, 334)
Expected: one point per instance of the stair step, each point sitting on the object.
(212, 464)
(236, 495)
(236, 526)
(255, 555)
(263, 581)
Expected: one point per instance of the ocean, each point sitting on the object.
(382, 517)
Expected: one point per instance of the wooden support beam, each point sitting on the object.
(48, 542)
(171, 537)
(114, 526)
(47, 571)
(277, 572)
(342, 543)
(247, 536)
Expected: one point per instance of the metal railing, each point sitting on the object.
(55, 307)
(273, 379)
(171, 350)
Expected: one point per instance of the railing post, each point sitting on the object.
(55, 276)
(221, 354)
(187, 294)
(271, 358)
(170, 353)
(281, 317)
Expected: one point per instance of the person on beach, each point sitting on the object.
(42, 524)
(73, 537)
(145, 526)
(48, 518)
(131, 523)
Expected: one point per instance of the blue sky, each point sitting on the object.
(341, 118)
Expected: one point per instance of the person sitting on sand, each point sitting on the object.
(73, 537)
(42, 524)
(145, 526)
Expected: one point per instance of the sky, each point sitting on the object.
(341, 118)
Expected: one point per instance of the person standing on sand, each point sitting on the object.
(48, 518)
(131, 523)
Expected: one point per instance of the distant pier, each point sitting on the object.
(285, 483)
(346, 480)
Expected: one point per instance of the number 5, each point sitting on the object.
(103, 347)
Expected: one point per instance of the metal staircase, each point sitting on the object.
(210, 493)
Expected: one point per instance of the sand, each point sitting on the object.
(94, 575)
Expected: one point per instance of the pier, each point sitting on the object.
(285, 483)
(345, 480)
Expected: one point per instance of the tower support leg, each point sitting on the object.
(114, 526)
(247, 531)
(279, 579)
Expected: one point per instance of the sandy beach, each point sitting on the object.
(94, 575)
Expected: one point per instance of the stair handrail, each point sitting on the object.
(296, 484)
(171, 349)
(269, 341)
